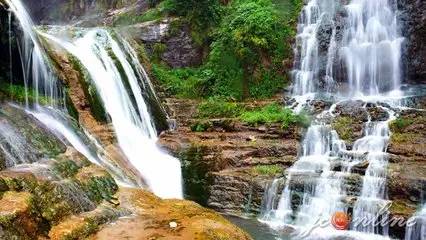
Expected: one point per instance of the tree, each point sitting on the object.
(250, 31)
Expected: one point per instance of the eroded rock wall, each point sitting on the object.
(412, 17)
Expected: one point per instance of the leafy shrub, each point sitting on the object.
(183, 82)
(275, 113)
(250, 39)
(216, 107)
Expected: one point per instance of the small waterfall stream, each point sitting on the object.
(418, 230)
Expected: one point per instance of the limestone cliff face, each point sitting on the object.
(412, 17)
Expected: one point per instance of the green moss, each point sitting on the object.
(343, 127)
(268, 170)
(399, 124)
(405, 137)
(92, 223)
(132, 17)
(401, 207)
(275, 113)
(66, 168)
(100, 188)
(195, 174)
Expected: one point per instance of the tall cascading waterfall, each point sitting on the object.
(131, 120)
(346, 52)
(134, 128)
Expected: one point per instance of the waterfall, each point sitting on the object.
(37, 72)
(418, 230)
(120, 89)
(134, 128)
(357, 46)
(14, 146)
(345, 50)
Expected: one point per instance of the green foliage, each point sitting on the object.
(66, 168)
(195, 174)
(246, 55)
(202, 14)
(18, 93)
(216, 107)
(267, 170)
(183, 82)
(157, 50)
(201, 126)
(400, 123)
(275, 113)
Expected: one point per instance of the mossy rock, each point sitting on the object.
(97, 183)
(347, 128)
(16, 218)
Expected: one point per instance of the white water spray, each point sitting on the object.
(132, 123)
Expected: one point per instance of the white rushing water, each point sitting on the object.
(131, 120)
(418, 230)
(14, 147)
(37, 73)
(365, 52)
(127, 109)
(349, 52)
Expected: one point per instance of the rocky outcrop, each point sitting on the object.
(229, 166)
(167, 40)
(64, 196)
(169, 219)
(412, 18)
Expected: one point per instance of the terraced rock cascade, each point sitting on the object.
(348, 54)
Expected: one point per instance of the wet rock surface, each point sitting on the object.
(413, 20)
(169, 40)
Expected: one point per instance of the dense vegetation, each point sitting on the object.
(246, 42)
